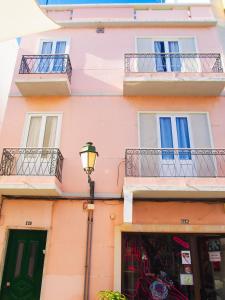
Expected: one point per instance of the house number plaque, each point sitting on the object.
(28, 223)
(185, 221)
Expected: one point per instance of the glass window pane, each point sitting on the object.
(50, 132)
(175, 62)
(19, 258)
(166, 137)
(34, 132)
(183, 137)
(160, 59)
(32, 258)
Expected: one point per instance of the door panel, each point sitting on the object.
(23, 265)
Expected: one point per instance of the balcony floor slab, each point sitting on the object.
(30, 185)
(182, 85)
(149, 187)
(44, 85)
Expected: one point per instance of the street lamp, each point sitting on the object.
(88, 155)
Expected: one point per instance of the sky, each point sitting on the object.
(97, 1)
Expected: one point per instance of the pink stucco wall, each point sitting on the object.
(98, 66)
(111, 123)
(97, 111)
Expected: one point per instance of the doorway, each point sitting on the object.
(173, 266)
(23, 266)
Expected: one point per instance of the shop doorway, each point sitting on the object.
(23, 267)
(173, 266)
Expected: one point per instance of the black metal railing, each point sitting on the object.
(32, 162)
(175, 162)
(45, 64)
(173, 62)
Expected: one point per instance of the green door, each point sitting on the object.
(23, 265)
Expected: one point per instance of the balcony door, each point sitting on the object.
(166, 55)
(41, 133)
(50, 63)
(167, 58)
(174, 133)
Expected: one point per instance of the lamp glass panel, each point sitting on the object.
(92, 157)
(84, 160)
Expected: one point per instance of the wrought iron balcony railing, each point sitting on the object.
(32, 162)
(175, 163)
(46, 64)
(173, 62)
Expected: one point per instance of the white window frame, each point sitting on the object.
(54, 41)
(42, 131)
(174, 129)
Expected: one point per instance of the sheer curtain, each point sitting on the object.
(59, 65)
(44, 63)
(160, 59)
(34, 132)
(166, 137)
(175, 62)
(183, 137)
(50, 132)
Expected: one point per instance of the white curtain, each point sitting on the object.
(50, 132)
(34, 132)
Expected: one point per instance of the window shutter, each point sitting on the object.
(148, 130)
(200, 131)
(205, 164)
(144, 45)
(148, 163)
(189, 64)
(187, 45)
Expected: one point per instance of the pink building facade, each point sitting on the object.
(145, 84)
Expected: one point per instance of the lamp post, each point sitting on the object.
(88, 155)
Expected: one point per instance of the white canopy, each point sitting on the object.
(22, 17)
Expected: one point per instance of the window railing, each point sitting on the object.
(46, 64)
(32, 162)
(173, 62)
(175, 163)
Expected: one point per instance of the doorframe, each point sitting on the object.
(148, 228)
(6, 240)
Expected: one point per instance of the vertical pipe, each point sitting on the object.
(89, 242)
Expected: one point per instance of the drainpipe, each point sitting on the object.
(90, 221)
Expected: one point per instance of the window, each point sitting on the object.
(174, 133)
(166, 56)
(42, 131)
(54, 60)
(173, 148)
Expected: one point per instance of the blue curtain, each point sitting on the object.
(175, 62)
(160, 59)
(59, 64)
(44, 63)
(183, 138)
(166, 137)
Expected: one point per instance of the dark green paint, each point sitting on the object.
(23, 265)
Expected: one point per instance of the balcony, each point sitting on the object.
(171, 174)
(176, 172)
(31, 171)
(175, 74)
(44, 75)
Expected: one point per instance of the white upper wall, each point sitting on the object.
(8, 55)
